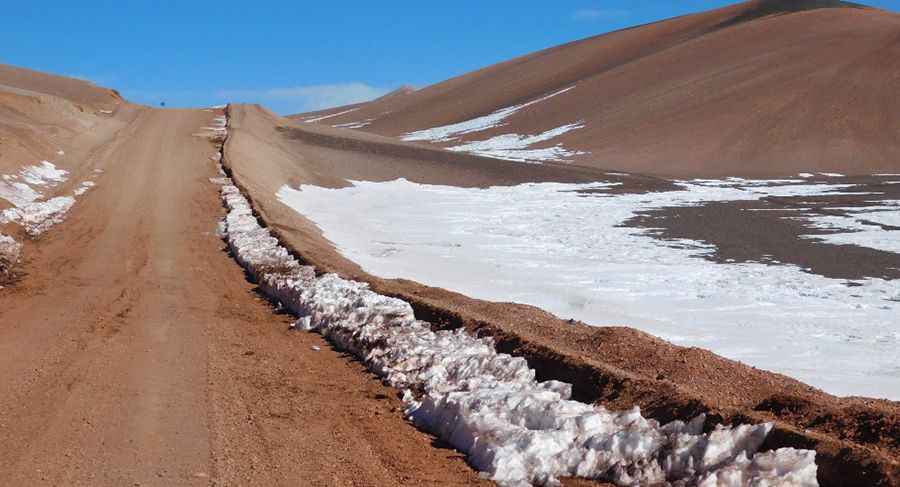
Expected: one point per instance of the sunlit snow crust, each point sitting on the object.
(551, 246)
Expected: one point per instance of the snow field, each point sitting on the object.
(861, 226)
(854, 232)
(516, 430)
(548, 245)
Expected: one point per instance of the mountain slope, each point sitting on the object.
(41, 113)
(27, 81)
(762, 88)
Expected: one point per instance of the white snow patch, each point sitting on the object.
(218, 128)
(546, 245)
(17, 189)
(777, 209)
(84, 188)
(495, 119)
(38, 217)
(30, 211)
(739, 183)
(515, 429)
(862, 236)
(855, 230)
(43, 174)
(514, 147)
(10, 250)
(219, 180)
(806, 175)
(884, 217)
(17, 193)
(832, 174)
(332, 115)
(354, 125)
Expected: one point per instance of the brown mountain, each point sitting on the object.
(761, 88)
(42, 113)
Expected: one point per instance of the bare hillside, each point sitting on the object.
(762, 88)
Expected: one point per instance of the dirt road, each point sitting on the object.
(135, 352)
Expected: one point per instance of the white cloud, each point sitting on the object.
(307, 98)
(592, 14)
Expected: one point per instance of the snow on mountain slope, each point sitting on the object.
(762, 88)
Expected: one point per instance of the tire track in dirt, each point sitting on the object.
(136, 353)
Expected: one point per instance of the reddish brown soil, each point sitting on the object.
(135, 352)
(856, 439)
(75, 90)
(762, 88)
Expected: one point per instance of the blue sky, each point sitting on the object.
(296, 55)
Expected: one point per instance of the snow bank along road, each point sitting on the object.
(515, 429)
(134, 352)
